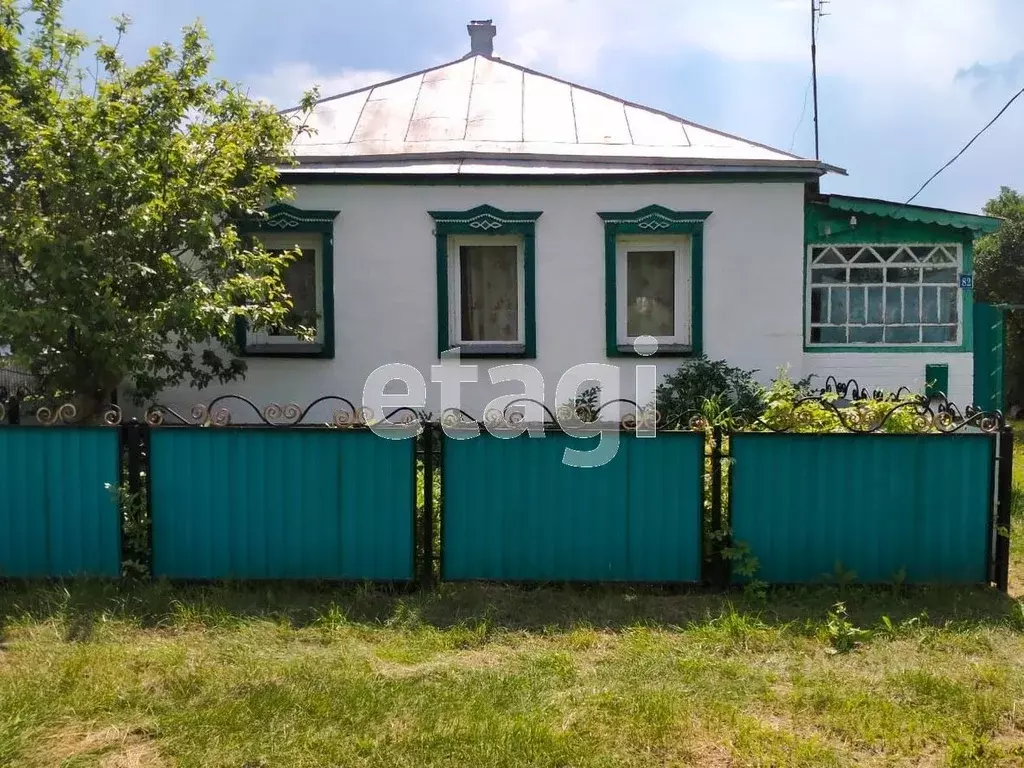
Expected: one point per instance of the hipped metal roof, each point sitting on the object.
(480, 114)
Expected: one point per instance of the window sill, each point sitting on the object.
(664, 350)
(491, 350)
(286, 350)
(837, 349)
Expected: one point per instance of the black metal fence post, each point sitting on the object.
(14, 410)
(715, 559)
(427, 527)
(1004, 507)
(134, 452)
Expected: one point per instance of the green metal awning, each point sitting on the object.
(870, 206)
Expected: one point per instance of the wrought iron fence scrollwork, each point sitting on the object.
(566, 416)
(851, 390)
(67, 413)
(218, 413)
(854, 408)
(862, 415)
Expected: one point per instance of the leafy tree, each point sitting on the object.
(120, 190)
(999, 278)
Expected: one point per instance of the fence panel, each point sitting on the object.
(875, 504)
(298, 503)
(513, 511)
(59, 513)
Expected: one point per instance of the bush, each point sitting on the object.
(683, 394)
(897, 416)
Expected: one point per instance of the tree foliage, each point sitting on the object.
(999, 279)
(120, 191)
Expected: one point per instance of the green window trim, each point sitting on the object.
(284, 219)
(654, 220)
(481, 221)
(824, 225)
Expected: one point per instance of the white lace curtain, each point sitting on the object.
(650, 293)
(490, 292)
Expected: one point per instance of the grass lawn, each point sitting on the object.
(146, 674)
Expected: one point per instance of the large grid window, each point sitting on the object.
(884, 294)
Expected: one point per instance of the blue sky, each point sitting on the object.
(903, 83)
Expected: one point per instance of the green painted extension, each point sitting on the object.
(487, 220)
(989, 333)
(285, 219)
(250, 503)
(59, 515)
(880, 222)
(876, 504)
(654, 220)
(513, 511)
(976, 224)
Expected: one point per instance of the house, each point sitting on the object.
(485, 206)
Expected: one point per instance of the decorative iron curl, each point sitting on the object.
(282, 416)
(62, 414)
(517, 418)
(406, 416)
(495, 419)
(356, 417)
(456, 417)
(112, 416)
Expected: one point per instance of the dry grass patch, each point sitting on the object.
(106, 747)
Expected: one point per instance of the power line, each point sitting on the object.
(966, 146)
(803, 114)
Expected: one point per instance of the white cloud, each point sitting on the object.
(926, 41)
(284, 85)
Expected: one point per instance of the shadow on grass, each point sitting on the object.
(79, 605)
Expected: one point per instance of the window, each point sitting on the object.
(892, 295)
(486, 292)
(303, 279)
(308, 279)
(653, 280)
(653, 273)
(485, 281)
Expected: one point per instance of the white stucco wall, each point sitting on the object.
(385, 289)
(889, 371)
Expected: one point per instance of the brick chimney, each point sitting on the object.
(481, 37)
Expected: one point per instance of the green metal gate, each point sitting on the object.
(989, 337)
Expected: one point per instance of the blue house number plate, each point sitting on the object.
(966, 281)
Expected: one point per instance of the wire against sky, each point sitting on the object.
(966, 146)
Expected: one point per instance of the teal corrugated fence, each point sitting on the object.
(58, 506)
(513, 511)
(281, 504)
(876, 505)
